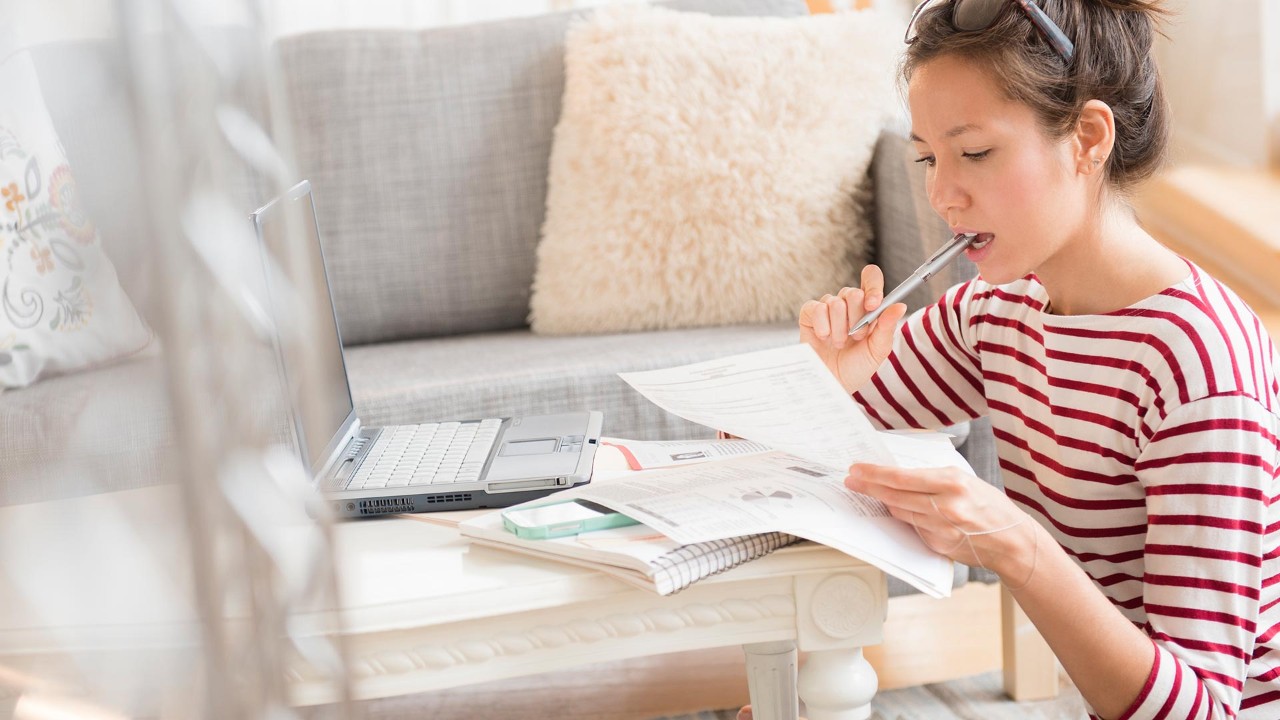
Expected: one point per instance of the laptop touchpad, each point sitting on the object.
(539, 446)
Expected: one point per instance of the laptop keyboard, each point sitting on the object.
(427, 454)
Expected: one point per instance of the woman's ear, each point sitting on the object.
(1095, 137)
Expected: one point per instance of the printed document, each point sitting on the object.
(784, 398)
(788, 400)
(649, 454)
(774, 492)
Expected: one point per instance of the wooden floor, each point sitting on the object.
(976, 698)
(560, 696)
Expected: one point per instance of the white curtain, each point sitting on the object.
(286, 17)
(25, 24)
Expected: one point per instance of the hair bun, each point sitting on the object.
(1113, 63)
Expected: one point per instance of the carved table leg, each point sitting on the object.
(837, 685)
(771, 677)
(836, 616)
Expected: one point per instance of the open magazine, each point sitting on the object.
(787, 400)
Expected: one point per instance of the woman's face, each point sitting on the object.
(991, 170)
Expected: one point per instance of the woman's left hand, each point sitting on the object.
(955, 513)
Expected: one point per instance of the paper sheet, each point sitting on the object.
(649, 454)
(784, 398)
(774, 492)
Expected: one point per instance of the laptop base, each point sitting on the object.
(410, 503)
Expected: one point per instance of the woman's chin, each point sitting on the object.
(998, 276)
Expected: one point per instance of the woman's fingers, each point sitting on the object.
(814, 318)
(872, 286)
(880, 336)
(831, 316)
(855, 302)
(923, 511)
(908, 500)
(838, 313)
(930, 481)
(919, 496)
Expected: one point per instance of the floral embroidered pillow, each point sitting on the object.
(61, 306)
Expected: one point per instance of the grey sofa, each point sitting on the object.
(428, 153)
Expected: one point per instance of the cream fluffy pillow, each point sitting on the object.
(707, 171)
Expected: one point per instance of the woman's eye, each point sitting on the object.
(976, 155)
(927, 160)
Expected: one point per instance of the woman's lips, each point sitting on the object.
(981, 248)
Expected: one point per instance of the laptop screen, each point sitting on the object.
(310, 347)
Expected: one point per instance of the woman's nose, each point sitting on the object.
(946, 195)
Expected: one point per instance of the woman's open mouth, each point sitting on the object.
(980, 248)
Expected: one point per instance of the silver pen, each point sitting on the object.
(936, 262)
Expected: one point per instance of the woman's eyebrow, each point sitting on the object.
(953, 132)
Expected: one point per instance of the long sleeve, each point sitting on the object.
(1209, 476)
(932, 377)
(1144, 440)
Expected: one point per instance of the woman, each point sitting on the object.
(1133, 397)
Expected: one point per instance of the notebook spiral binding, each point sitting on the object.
(690, 563)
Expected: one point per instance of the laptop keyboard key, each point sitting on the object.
(431, 453)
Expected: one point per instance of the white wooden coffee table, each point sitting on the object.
(424, 610)
(440, 613)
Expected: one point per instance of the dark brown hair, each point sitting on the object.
(1113, 63)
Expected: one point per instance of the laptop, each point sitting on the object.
(368, 471)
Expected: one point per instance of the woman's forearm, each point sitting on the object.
(1107, 657)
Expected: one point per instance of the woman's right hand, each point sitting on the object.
(825, 324)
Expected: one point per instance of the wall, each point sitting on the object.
(1271, 66)
(1221, 63)
(1222, 70)
(293, 16)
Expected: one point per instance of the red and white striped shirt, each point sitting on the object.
(1145, 441)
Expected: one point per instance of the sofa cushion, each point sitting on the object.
(428, 152)
(86, 85)
(61, 306)
(710, 171)
(105, 430)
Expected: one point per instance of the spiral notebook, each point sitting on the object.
(635, 554)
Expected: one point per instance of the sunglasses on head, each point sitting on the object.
(974, 15)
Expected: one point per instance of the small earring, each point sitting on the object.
(1097, 161)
